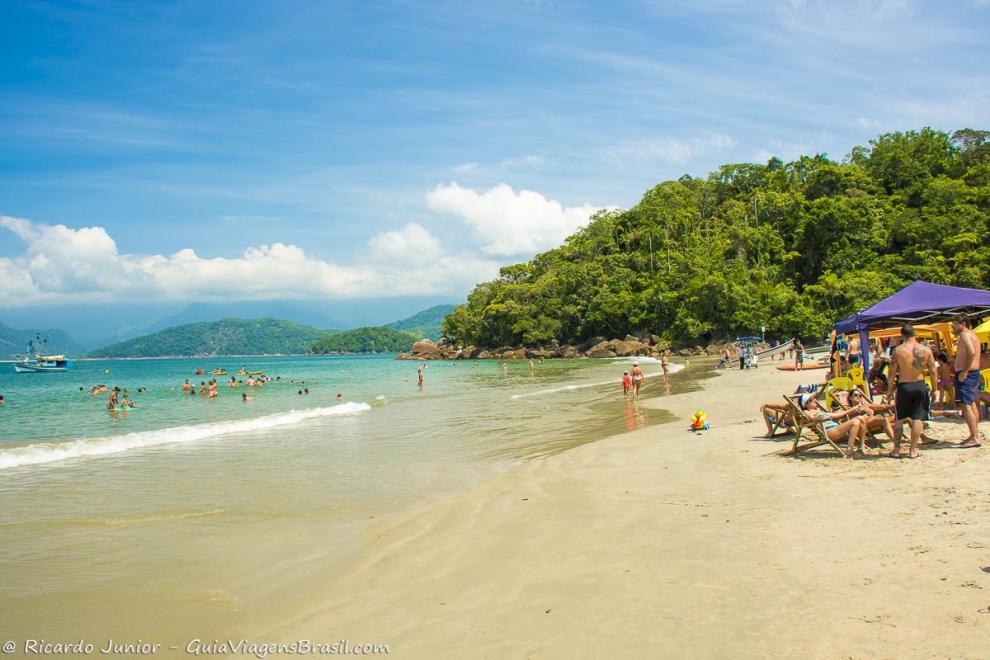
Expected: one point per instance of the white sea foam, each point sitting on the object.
(674, 368)
(47, 452)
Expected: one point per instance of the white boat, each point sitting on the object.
(42, 363)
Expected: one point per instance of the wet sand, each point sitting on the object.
(661, 542)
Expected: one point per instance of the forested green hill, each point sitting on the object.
(791, 246)
(365, 340)
(225, 337)
(425, 324)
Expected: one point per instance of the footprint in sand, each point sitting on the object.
(971, 585)
(974, 544)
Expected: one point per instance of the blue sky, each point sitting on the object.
(183, 151)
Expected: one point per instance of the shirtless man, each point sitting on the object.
(637, 379)
(967, 380)
(907, 366)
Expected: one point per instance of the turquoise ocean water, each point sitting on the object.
(183, 510)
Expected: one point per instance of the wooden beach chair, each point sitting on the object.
(784, 422)
(806, 425)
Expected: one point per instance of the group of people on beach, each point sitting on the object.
(908, 396)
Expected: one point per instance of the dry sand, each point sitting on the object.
(663, 543)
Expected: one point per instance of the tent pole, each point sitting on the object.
(864, 351)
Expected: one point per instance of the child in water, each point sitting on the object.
(626, 384)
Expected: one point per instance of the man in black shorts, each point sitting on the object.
(907, 370)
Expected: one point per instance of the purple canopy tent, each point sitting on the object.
(918, 302)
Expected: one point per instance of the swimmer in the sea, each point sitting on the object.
(245, 397)
(340, 396)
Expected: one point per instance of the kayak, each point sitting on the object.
(806, 367)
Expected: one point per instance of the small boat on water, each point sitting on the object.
(35, 362)
(40, 363)
(219, 372)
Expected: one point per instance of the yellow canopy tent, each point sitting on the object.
(983, 331)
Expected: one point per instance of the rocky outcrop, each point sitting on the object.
(596, 347)
(425, 347)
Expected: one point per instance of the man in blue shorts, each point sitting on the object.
(967, 378)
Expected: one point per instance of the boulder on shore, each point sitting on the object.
(586, 346)
(424, 347)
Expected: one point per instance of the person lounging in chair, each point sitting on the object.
(871, 413)
(853, 428)
(773, 412)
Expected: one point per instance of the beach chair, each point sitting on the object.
(877, 440)
(858, 378)
(840, 384)
(806, 425)
(783, 422)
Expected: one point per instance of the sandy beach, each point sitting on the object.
(664, 543)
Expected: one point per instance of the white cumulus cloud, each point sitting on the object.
(412, 243)
(510, 222)
(61, 264)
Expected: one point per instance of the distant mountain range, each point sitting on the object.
(93, 325)
(200, 312)
(425, 324)
(14, 342)
(224, 337)
(266, 336)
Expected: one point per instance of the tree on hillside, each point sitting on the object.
(790, 246)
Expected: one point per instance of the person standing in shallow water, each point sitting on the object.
(637, 379)
(419, 376)
(665, 364)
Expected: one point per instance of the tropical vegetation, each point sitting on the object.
(789, 246)
(365, 340)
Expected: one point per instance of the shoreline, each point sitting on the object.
(663, 541)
